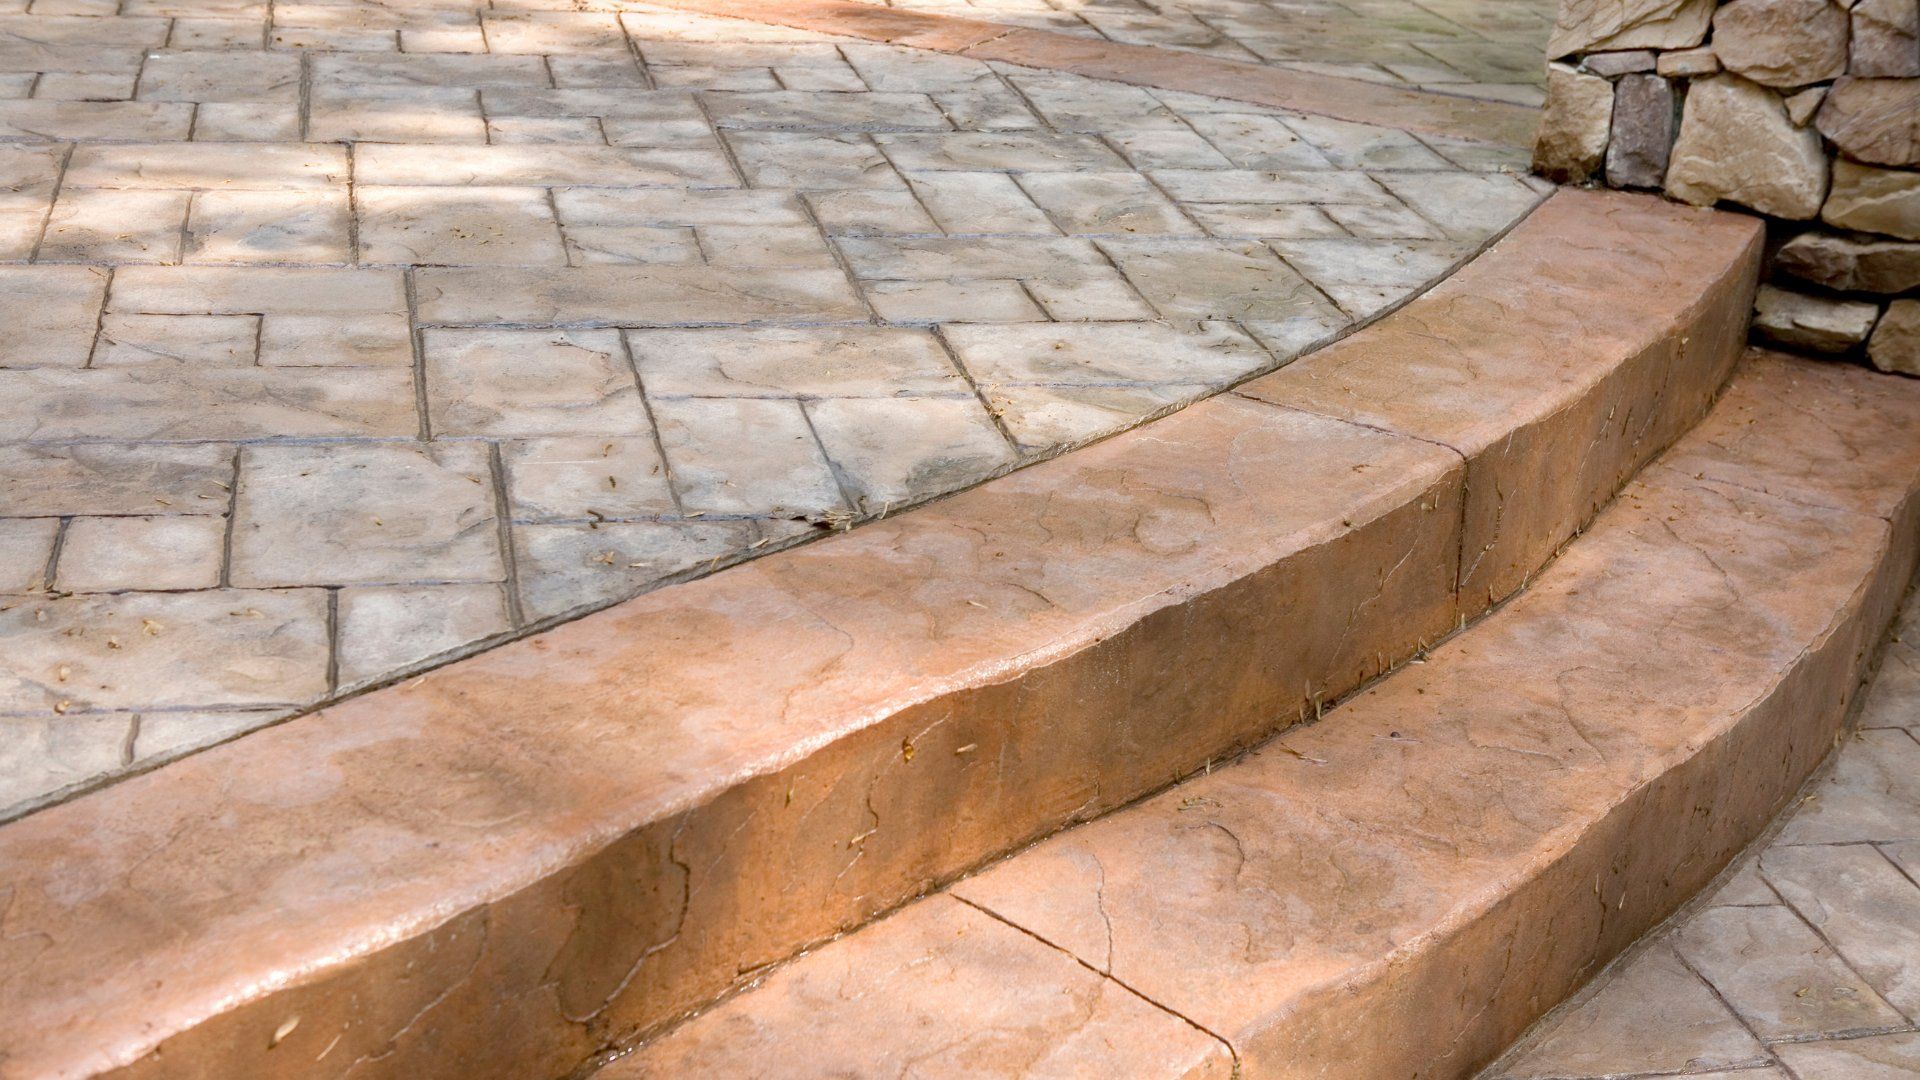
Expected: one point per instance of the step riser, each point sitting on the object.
(1402, 888)
(1491, 979)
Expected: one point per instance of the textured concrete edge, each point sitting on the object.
(1448, 992)
(770, 546)
(578, 923)
(1791, 726)
(1144, 65)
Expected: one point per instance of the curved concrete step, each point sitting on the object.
(513, 862)
(1400, 889)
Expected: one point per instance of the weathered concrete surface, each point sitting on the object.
(942, 989)
(1458, 368)
(1811, 940)
(1401, 888)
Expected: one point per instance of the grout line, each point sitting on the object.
(233, 516)
(417, 335)
(333, 639)
(856, 506)
(53, 200)
(51, 568)
(306, 94)
(953, 357)
(503, 519)
(653, 423)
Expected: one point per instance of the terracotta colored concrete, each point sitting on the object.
(512, 862)
(1557, 372)
(1144, 65)
(942, 990)
(1400, 889)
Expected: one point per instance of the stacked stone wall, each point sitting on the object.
(1805, 111)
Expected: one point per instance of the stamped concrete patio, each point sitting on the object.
(346, 338)
(1466, 47)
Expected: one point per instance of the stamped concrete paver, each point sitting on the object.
(1464, 47)
(342, 339)
(1804, 961)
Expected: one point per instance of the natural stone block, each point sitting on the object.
(1886, 39)
(1895, 345)
(1802, 106)
(1688, 63)
(1643, 123)
(1594, 25)
(1874, 120)
(1874, 200)
(1612, 64)
(1573, 126)
(1736, 143)
(1782, 43)
(1815, 323)
(1851, 263)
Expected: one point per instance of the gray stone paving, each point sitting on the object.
(1804, 963)
(344, 337)
(1471, 48)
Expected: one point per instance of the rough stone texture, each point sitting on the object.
(1783, 43)
(1596, 25)
(1874, 120)
(1802, 106)
(1614, 64)
(1644, 114)
(1895, 345)
(1873, 199)
(1886, 39)
(1817, 323)
(1077, 632)
(1856, 263)
(1687, 63)
(1737, 144)
(1573, 126)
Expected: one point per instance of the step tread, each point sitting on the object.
(1365, 896)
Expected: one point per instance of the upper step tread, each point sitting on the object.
(1400, 888)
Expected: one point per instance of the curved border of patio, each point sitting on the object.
(515, 861)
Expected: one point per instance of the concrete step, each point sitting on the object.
(519, 860)
(1401, 888)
